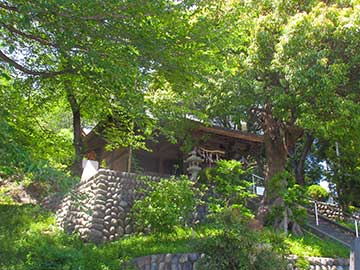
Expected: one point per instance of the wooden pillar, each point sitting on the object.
(355, 255)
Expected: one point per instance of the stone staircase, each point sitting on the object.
(328, 228)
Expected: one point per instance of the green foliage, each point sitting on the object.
(30, 239)
(311, 245)
(317, 193)
(293, 196)
(166, 205)
(237, 247)
(34, 143)
(228, 185)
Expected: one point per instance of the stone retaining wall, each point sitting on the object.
(185, 261)
(331, 211)
(320, 263)
(189, 261)
(99, 208)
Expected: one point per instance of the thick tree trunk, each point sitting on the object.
(77, 142)
(278, 138)
(300, 164)
(276, 156)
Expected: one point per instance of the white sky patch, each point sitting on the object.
(325, 185)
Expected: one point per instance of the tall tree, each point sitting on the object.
(300, 69)
(101, 56)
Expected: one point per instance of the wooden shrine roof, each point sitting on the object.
(232, 133)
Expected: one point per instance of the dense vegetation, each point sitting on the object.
(289, 69)
(30, 239)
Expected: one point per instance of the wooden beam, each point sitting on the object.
(233, 134)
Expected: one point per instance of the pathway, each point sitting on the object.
(330, 229)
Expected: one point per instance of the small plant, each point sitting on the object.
(239, 248)
(317, 193)
(226, 185)
(287, 213)
(167, 204)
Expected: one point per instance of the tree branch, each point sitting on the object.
(29, 36)
(32, 72)
(96, 17)
(10, 8)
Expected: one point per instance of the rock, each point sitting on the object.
(183, 258)
(123, 203)
(110, 201)
(102, 192)
(98, 220)
(101, 186)
(96, 233)
(128, 229)
(162, 266)
(106, 232)
(100, 197)
(127, 220)
(113, 221)
(186, 266)
(99, 207)
(108, 205)
(120, 231)
(193, 257)
(112, 230)
(98, 226)
(98, 214)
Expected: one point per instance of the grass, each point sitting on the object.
(29, 239)
(350, 225)
(312, 245)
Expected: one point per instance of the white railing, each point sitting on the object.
(258, 186)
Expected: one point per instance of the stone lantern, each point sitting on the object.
(193, 162)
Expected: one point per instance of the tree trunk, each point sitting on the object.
(77, 142)
(278, 138)
(276, 156)
(300, 164)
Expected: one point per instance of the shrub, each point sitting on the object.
(239, 248)
(227, 185)
(167, 205)
(317, 193)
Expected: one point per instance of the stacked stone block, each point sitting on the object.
(331, 211)
(185, 261)
(99, 208)
(321, 263)
(189, 261)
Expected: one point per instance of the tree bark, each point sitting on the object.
(300, 164)
(278, 139)
(276, 156)
(77, 142)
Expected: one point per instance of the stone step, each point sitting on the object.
(331, 230)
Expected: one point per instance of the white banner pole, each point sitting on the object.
(253, 181)
(316, 214)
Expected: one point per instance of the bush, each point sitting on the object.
(227, 185)
(317, 193)
(239, 248)
(167, 205)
